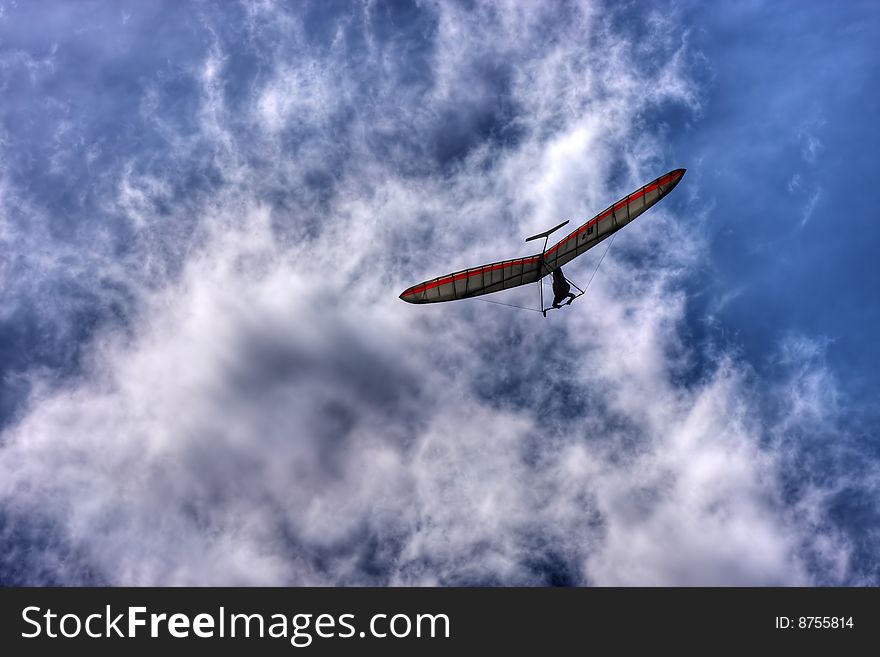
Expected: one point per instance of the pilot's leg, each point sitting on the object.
(571, 298)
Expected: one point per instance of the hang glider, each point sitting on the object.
(506, 274)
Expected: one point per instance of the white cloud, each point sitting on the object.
(810, 207)
(810, 142)
(277, 415)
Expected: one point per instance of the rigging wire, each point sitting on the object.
(510, 305)
(583, 292)
(598, 264)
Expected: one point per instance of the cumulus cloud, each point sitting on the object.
(266, 411)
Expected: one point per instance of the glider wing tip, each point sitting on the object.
(674, 177)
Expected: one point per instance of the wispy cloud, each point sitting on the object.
(267, 411)
(811, 145)
(810, 206)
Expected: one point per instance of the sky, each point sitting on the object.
(208, 211)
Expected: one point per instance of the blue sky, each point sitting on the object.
(799, 242)
(208, 211)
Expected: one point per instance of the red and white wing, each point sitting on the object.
(609, 221)
(506, 274)
(473, 282)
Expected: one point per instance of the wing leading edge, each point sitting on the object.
(506, 274)
(475, 281)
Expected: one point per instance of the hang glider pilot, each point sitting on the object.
(561, 288)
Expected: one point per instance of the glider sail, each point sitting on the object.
(506, 274)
